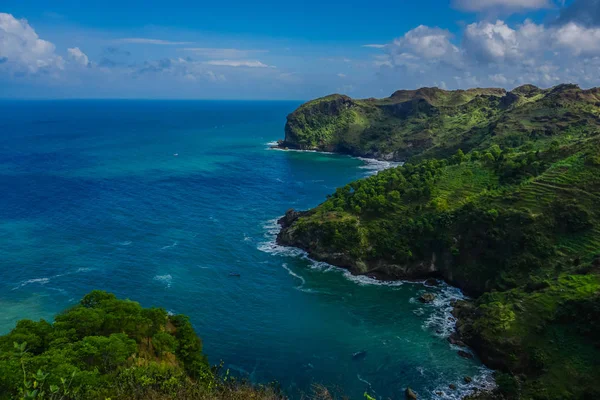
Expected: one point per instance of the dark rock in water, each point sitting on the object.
(468, 379)
(410, 394)
(465, 354)
(359, 355)
(427, 298)
(452, 386)
(455, 339)
(432, 282)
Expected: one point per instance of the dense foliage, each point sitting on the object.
(109, 348)
(430, 122)
(511, 217)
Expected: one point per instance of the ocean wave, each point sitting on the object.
(441, 320)
(169, 246)
(374, 166)
(165, 279)
(295, 275)
(484, 381)
(125, 243)
(41, 281)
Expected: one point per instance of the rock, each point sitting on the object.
(439, 393)
(290, 217)
(452, 386)
(427, 298)
(410, 394)
(455, 339)
(468, 379)
(432, 282)
(465, 354)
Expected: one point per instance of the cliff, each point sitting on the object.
(434, 122)
(511, 218)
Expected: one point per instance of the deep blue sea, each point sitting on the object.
(159, 201)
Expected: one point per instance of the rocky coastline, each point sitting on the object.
(463, 310)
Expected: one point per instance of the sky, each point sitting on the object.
(238, 49)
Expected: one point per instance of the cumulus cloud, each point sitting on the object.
(239, 63)
(151, 41)
(23, 51)
(578, 39)
(497, 42)
(78, 56)
(501, 5)
(423, 45)
(494, 53)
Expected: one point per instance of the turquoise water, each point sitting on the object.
(159, 201)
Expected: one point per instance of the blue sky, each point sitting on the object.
(291, 50)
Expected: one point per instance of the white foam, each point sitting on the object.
(374, 166)
(441, 320)
(484, 381)
(125, 243)
(165, 279)
(41, 281)
(169, 246)
(295, 275)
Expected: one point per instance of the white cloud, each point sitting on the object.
(238, 63)
(423, 44)
(487, 42)
(492, 54)
(578, 39)
(502, 5)
(22, 50)
(221, 52)
(150, 41)
(374, 46)
(78, 56)
(341, 75)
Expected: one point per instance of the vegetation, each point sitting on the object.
(431, 122)
(510, 216)
(106, 348)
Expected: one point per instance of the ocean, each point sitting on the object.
(160, 201)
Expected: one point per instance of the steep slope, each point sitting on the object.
(435, 122)
(512, 220)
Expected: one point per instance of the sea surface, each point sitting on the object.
(159, 201)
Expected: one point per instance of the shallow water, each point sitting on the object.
(160, 201)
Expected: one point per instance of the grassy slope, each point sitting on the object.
(514, 221)
(433, 122)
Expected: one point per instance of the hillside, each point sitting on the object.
(510, 217)
(431, 122)
(106, 348)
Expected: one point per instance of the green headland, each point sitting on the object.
(498, 196)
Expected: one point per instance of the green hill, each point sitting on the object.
(432, 122)
(510, 216)
(106, 348)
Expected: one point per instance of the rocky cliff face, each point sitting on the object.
(499, 199)
(427, 121)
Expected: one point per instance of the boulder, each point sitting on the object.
(410, 394)
(427, 297)
(465, 354)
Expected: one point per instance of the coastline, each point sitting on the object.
(444, 322)
(373, 164)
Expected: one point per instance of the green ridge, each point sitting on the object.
(501, 200)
